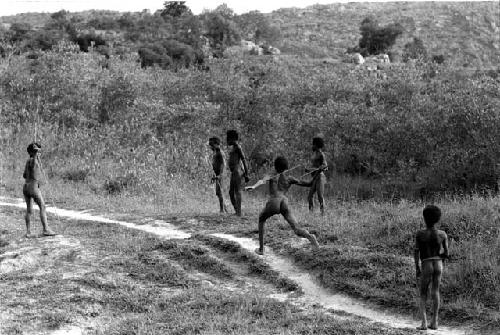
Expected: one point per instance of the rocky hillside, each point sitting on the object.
(466, 32)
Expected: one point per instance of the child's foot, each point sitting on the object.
(30, 235)
(314, 241)
(259, 252)
(433, 327)
(422, 327)
(48, 232)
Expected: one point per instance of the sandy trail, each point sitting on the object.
(313, 292)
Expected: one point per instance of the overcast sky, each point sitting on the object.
(8, 7)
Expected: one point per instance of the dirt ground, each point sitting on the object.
(147, 277)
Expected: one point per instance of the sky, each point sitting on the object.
(9, 7)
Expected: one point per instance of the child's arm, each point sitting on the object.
(244, 161)
(324, 164)
(295, 181)
(219, 164)
(416, 256)
(25, 173)
(445, 255)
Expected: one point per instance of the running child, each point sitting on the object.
(31, 189)
(278, 203)
(429, 243)
(238, 166)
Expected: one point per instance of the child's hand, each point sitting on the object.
(246, 179)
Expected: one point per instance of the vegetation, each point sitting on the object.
(126, 128)
(375, 39)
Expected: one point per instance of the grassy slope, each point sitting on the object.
(465, 31)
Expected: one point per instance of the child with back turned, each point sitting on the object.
(428, 246)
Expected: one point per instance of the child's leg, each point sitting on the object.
(425, 280)
(310, 196)
(43, 213)
(218, 192)
(320, 190)
(436, 282)
(232, 191)
(27, 216)
(290, 218)
(262, 220)
(237, 193)
(271, 208)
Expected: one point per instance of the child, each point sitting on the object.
(218, 162)
(319, 165)
(428, 249)
(31, 190)
(278, 203)
(236, 160)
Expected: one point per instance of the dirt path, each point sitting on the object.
(314, 294)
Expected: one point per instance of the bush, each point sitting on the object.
(415, 50)
(375, 39)
(118, 184)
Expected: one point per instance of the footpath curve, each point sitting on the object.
(314, 294)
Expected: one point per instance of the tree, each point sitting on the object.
(221, 32)
(151, 54)
(19, 31)
(225, 11)
(175, 9)
(375, 39)
(254, 26)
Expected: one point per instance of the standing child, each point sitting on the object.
(31, 190)
(429, 243)
(218, 162)
(278, 203)
(318, 163)
(235, 162)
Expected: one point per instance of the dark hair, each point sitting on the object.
(214, 140)
(33, 147)
(231, 135)
(318, 142)
(280, 164)
(432, 214)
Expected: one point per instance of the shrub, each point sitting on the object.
(415, 50)
(376, 39)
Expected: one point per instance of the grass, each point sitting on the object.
(255, 264)
(366, 245)
(129, 282)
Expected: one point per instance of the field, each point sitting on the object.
(130, 144)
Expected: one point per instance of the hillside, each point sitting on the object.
(467, 32)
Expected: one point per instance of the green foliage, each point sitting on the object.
(221, 31)
(411, 134)
(376, 39)
(256, 27)
(175, 9)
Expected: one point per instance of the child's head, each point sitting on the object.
(432, 215)
(280, 164)
(231, 136)
(318, 143)
(214, 142)
(33, 148)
